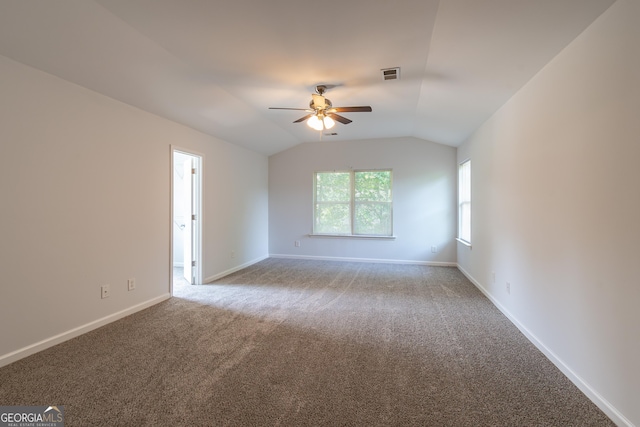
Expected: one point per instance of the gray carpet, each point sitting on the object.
(297, 343)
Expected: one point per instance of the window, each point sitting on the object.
(356, 203)
(464, 201)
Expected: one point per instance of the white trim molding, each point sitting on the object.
(353, 236)
(604, 405)
(370, 260)
(464, 242)
(234, 269)
(75, 332)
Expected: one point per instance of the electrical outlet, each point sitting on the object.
(493, 277)
(434, 249)
(106, 292)
(233, 254)
(297, 243)
(131, 284)
(508, 288)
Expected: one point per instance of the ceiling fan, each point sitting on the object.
(322, 114)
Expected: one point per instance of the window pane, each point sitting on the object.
(333, 186)
(373, 186)
(332, 218)
(361, 197)
(465, 222)
(464, 201)
(373, 219)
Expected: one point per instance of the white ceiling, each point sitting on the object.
(218, 65)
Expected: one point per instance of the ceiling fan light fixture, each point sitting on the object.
(322, 114)
(314, 122)
(329, 122)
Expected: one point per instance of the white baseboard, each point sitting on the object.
(372, 260)
(234, 269)
(65, 336)
(606, 407)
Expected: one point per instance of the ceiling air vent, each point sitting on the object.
(391, 73)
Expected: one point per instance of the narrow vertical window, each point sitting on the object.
(464, 201)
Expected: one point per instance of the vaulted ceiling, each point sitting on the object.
(218, 65)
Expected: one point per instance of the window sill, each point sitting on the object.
(353, 236)
(464, 242)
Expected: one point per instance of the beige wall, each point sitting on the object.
(85, 186)
(556, 206)
(424, 206)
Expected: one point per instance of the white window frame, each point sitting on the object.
(352, 205)
(464, 202)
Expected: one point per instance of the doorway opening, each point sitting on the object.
(186, 218)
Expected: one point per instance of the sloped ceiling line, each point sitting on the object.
(217, 66)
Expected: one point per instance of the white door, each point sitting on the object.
(189, 213)
(186, 215)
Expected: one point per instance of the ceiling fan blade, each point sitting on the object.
(340, 119)
(302, 119)
(297, 109)
(363, 109)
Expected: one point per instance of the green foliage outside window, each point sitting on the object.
(358, 202)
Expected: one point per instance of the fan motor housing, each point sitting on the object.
(327, 104)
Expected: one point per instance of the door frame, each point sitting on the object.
(199, 194)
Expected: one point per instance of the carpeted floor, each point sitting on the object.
(302, 343)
